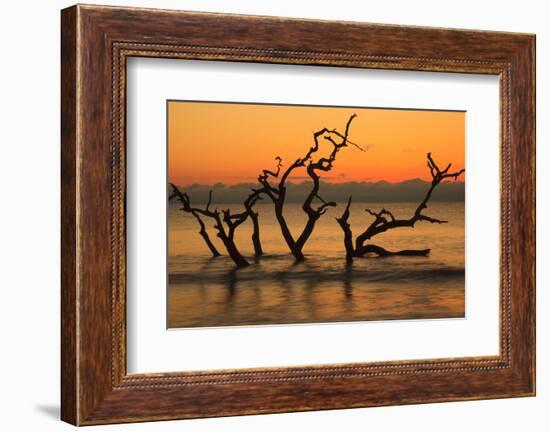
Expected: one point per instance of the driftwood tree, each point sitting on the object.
(384, 220)
(277, 192)
(225, 224)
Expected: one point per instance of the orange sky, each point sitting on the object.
(230, 143)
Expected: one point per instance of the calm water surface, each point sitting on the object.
(206, 291)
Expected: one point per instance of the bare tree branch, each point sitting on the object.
(382, 252)
(384, 220)
(348, 234)
(277, 193)
(186, 206)
(225, 233)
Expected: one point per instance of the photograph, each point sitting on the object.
(293, 214)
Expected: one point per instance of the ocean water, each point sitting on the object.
(208, 292)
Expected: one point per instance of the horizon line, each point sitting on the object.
(244, 183)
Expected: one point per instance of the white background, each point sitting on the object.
(29, 220)
(151, 348)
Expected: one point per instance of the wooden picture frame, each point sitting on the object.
(95, 43)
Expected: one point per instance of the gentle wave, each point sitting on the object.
(277, 268)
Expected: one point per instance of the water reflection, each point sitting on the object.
(277, 290)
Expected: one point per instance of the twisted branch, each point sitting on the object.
(225, 232)
(384, 220)
(277, 193)
(195, 212)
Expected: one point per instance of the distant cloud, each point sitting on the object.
(362, 191)
(299, 177)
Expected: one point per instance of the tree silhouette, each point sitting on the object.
(277, 192)
(196, 212)
(384, 220)
(225, 223)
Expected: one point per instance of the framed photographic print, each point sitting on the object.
(264, 215)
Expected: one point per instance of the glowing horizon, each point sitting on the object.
(299, 182)
(230, 143)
